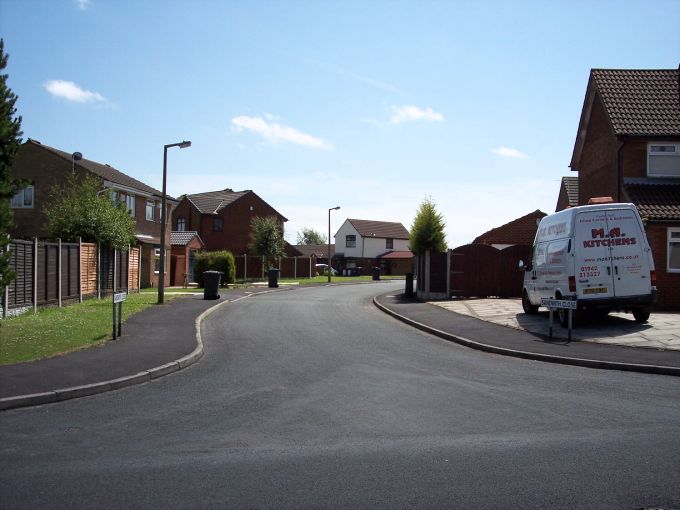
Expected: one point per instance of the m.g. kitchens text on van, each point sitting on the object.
(595, 254)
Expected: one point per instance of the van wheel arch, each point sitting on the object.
(527, 306)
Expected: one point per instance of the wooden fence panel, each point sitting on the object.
(133, 269)
(88, 268)
(69, 271)
(21, 260)
(474, 270)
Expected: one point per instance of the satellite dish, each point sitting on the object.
(76, 156)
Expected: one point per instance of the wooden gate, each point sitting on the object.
(480, 270)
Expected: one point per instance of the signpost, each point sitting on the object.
(555, 304)
(118, 298)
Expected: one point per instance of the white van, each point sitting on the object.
(595, 254)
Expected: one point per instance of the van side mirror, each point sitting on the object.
(522, 267)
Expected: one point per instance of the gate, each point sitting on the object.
(480, 270)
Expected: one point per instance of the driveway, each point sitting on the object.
(662, 331)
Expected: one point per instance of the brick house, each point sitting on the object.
(318, 251)
(363, 244)
(222, 218)
(44, 167)
(628, 147)
(519, 231)
(568, 196)
(185, 245)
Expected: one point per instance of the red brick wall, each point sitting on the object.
(597, 167)
(668, 284)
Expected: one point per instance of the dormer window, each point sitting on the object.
(663, 160)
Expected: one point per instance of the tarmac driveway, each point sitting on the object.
(662, 331)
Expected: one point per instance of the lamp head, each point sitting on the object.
(185, 144)
(335, 208)
(76, 156)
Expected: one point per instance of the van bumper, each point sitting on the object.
(618, 303)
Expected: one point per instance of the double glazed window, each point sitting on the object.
(218, 224)
(181, 224)
(389, 244)
(149, 210)
(674, 250)
(663, 160)
(350, 241)
(23, 199)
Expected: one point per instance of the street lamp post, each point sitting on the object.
(329, 240)
(76, 156)
(161, 269)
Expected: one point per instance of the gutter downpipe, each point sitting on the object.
(619, 169)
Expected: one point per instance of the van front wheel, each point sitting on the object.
(641, 315)
(527, 306)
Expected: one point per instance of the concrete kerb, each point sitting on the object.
(122, 382)
(588, 363)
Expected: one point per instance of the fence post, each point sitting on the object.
(35, 274)
(113, 284)
(127, 277)
(295, 269)
(59, 271)
(263, 267)
(245, 268)
(310, 268)
(99, 271)
(427, 275)
(5, 297)
(448, 273)
(139, 269)
(80, 269)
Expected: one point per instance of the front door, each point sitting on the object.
(191, 265)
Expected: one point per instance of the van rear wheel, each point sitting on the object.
(641, 314)
(527, 306)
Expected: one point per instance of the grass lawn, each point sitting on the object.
(54, 331)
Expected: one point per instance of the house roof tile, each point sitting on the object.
(211, 202)
(519, 231)
(642, 102)
(382, 229)
(104, 171)
(655, 199)
(570, 184)
(183, 238)
(317, 250)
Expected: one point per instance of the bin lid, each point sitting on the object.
(213, 272)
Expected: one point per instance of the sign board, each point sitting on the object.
(119, 297)
(559, 303)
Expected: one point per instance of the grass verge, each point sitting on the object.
(54, 331)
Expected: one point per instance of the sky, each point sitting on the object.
(372, 106)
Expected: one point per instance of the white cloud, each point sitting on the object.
(275, 132)
(413, 113)
(507, 152)
(72, 92)
(83, 4)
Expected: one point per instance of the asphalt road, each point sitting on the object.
(315, 399)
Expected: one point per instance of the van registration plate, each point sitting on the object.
(596, 290)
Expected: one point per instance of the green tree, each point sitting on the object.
(215, 261)
(10, 139)
(78, 208)
(266, 237)
(427, 232)
(310, 236)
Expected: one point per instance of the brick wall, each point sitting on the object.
(668, 284)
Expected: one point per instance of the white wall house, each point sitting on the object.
(368, 239)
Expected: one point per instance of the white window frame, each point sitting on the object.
(157, 256)
(153, 207)
(130, 200)
(181, 224)
(670, 154)
(348, 241)
(670, 240)
(18, 201)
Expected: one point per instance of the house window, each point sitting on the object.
(350, 241)
(181, 224)
(389, 244)
(674, 250)
(149, 210)
(663, 160)
(130, 204)
(23, 199)
(218, 224)
(157, 261)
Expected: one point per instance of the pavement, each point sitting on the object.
(164, 339)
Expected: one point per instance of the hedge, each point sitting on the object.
(215, 261)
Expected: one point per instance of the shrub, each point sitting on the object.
(215, 261)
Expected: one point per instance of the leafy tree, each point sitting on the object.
(78, 208)
(310, 236)
(266, 237)
(427, 232)
(10, 139)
